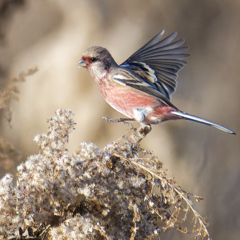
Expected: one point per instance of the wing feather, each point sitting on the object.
(131, 79)
(159, 60)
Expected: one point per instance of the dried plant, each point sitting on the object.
(7, 152)
(120, 192)
(12, 92)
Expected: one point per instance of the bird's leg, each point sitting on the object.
(123, 120)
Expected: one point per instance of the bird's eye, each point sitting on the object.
(93, 59)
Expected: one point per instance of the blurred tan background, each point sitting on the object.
(53, 34)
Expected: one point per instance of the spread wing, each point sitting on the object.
(158, 62)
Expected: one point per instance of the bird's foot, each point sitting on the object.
(123, 120)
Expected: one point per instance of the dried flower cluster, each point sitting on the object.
(120, 192)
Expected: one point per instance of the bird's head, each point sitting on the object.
(97, 60)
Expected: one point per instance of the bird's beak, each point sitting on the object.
(82, 63)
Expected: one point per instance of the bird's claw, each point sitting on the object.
(123, 120)
(128, 123)
(107, 119)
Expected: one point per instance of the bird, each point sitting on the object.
(141, 87)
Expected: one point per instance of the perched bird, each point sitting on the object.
(141, 87)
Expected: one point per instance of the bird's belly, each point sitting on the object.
(125, 101)
(135, 104)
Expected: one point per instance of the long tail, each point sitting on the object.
(202, 121)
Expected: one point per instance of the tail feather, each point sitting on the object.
(202, 121)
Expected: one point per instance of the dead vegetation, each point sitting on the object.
(120, 192)
(8, 154)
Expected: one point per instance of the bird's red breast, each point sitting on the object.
(125, 99)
